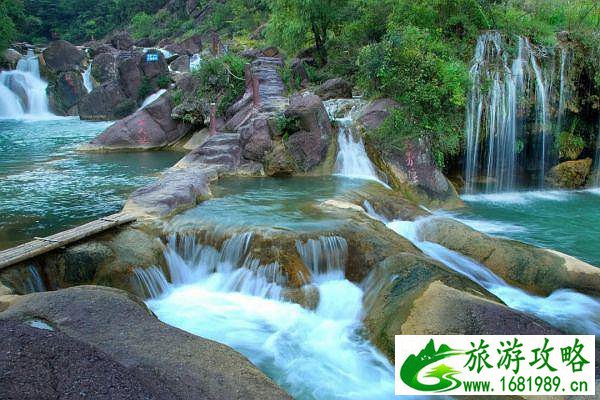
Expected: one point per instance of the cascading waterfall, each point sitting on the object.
(566, 58)
(152, 98)
(352, 160)
(565, 309)
(226, 296)
(596, 181)
(22, 91)
(495, 118)
(195, 61)
(87, 78)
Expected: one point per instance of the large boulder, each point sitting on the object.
(309, 146)
(52, 365)
(181, 64)
(106, 102)
(256, 139)
(336, 88)
(154, 69)
(298, 73)
(536, 270)
(408, 294)
(411, 170)
(11, 58)
(569, 174)
(65, 92)
(192, 45)
(155, 358)
(130, 75)
(104, 68)
(62, 56)
(121, 41)
(150, 127)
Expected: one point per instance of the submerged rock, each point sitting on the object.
(122, 335)
(569, 174)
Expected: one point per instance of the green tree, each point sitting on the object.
(293, 22)
(11, 12)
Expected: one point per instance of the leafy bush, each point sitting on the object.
(221, 80)
(287, 126)
(145, 89)
(570, 145)
(163, 81)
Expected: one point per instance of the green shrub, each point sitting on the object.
(221, 80)
(163, 81)
(570, 145)
(287, 126)
(145, 89)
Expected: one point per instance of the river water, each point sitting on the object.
(47, 186)
(567, 221)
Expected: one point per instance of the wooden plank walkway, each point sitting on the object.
(43, 245)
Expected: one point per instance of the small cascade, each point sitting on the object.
(566, 309)
(352, 160)
(596, 178)
(566, 58)
(226, 296)
(87, 78)
(502, 142)
(33, 283)
(152, 98)
(22, 91)
(326, 256)
(195, 61)
(229, 269)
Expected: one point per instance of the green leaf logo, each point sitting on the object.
(414, 364)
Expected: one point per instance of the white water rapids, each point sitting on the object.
(225, 296)
(565, 309)
(23, 92)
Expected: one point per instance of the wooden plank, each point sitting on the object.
(39, 246)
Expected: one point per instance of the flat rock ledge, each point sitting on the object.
(105, 344)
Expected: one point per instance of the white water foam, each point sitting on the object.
(518, 197)
(567, 310)
(87, 78)
(316, 354)
(23, 92)
(152, 98)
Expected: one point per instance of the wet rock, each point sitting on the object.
(373, 115)
(533, 269)
(150, 127)
(164, 358)
(65, 92)
(104, 68)
(336, 88)
(308, 149)
(221, 151)
(410, 294)
(121, 41)
(569, 174)
(181, 64)
(62, 56)
(106, 102)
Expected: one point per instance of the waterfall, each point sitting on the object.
(596, 179)
(195, 61)
(220, 294)
(33, 283)
(326, 256)
(566, 309)
(352, 160)
(22, 91)
(152, 98)
(495, 127)
(566, 57)
(87, 78)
